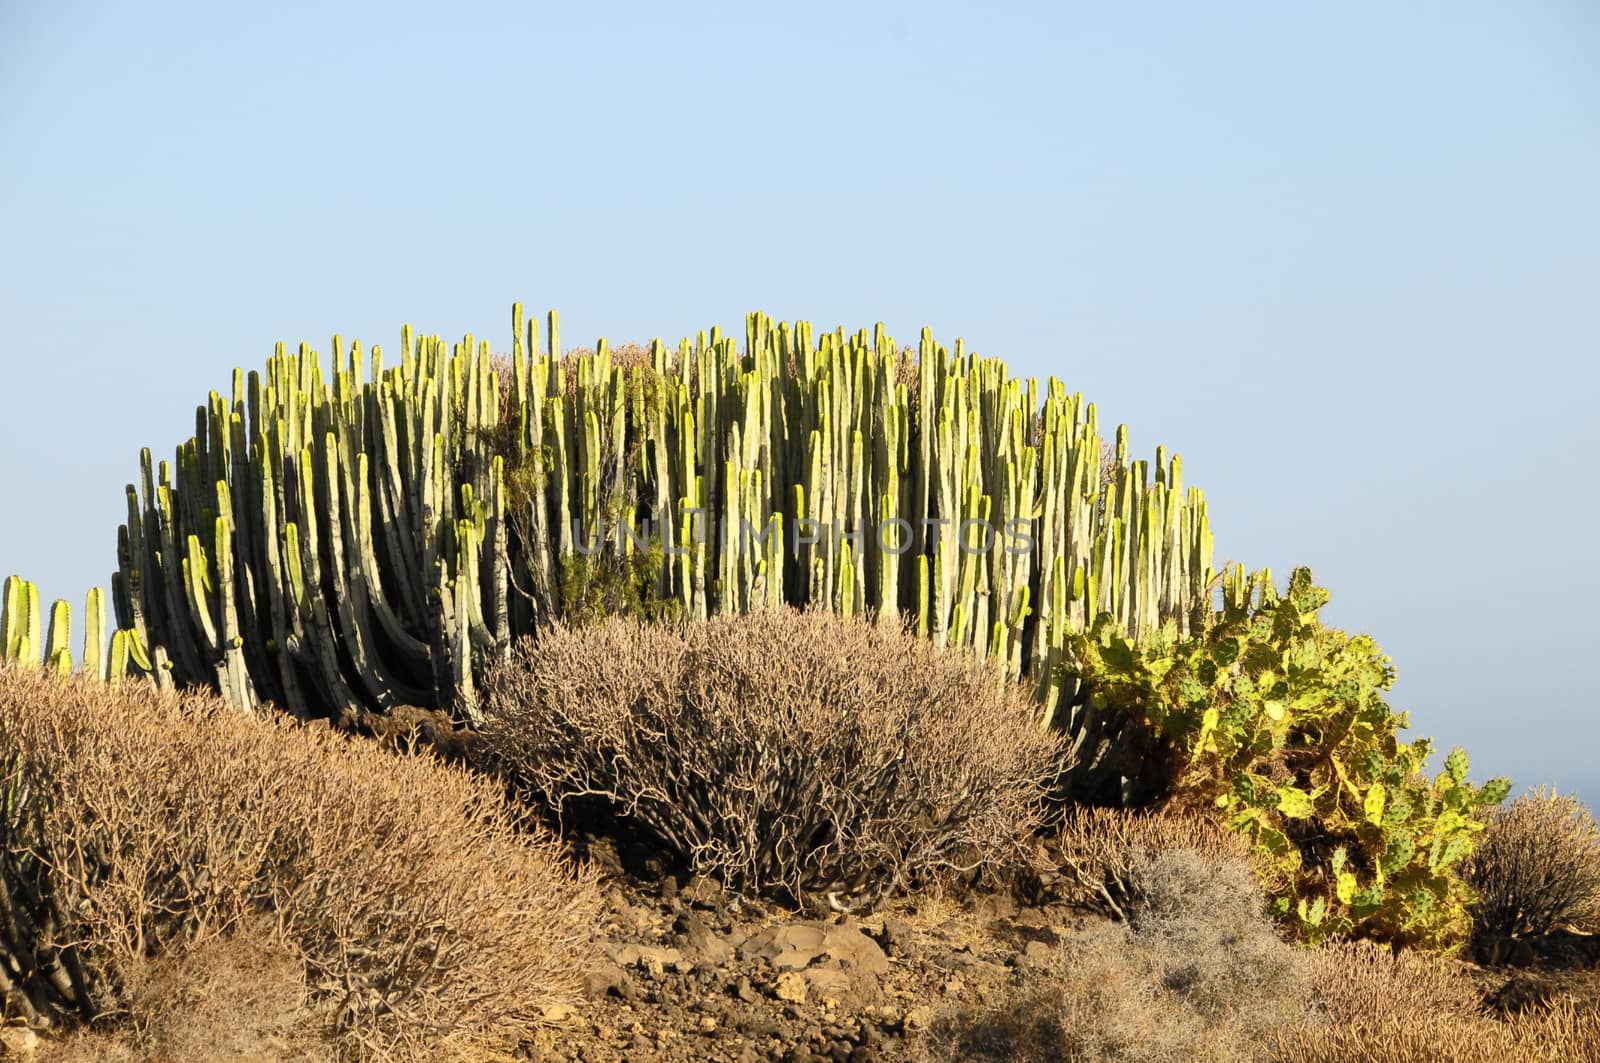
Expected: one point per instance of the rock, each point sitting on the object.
(744, 990)
(896, 936)
(996, 906)
(1522, 994)
(828, 983)
(702, 892)
(700, 940)
(603, 979)
(557, 1013)
(919, 1017)
(791, 987)
(796, 946)
(647, 958)
(1036, 955)
(19, 1041)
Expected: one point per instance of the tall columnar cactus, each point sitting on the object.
(362, 538)
(25, 642)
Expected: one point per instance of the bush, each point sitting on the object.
(1564, 1034)
(1197, 973)
(1374, 1006)
(1537, 868)
(243, 996)
(137, 826)
(1279, 723)
(1105, 853)
(800, 752)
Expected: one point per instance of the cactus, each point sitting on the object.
(1279, 723)
(346, 540)
(24, 642)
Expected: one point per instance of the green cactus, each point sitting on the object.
(25, 643)
(347, 540)
(1279, 723)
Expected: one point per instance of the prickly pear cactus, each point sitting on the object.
(1279, 723)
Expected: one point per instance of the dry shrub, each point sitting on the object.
(138, 825)
(1537, 867)
(239, 997)
(1103, 853)
(1359, 980)
(1563, 1034)
(1197, 973)
(1377, 1006)
(798, 751)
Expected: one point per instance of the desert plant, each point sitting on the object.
(798, 752)
(1566, 1033)
(141, 824)
(1278, 722)
(25, 641)
(1537, 867)
(1374, 1005)
(1198, 972)
(1104, 853)
(380, 534)
(242, 996)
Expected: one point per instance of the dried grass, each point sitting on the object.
(138, 826)
(804, 753)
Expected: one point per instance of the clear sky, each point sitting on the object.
(1345, 258)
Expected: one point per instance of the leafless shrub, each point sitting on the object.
(1105, 853)
(137, 825)
(1537, 867)
(241, 996)
(1358, 981)
(1197, 973)
(1563, 1034)
(803, 752)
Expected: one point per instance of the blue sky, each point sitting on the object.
(1345, 259)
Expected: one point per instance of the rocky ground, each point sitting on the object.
(695, 973)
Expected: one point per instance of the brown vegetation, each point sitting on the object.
(1105, 853)
(1197, 973)
(800, 752)
(1537, 868)
(139, 830)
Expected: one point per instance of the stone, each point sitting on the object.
(828, 983)
(19, 1041)
(700, 940)
(651, 958)
(603, 979)
(790, 987)
(796, 946)
(896, 936)
(1035, 956)
(702, 892)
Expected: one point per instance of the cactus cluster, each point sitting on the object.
(353, 540)
(25, 640)
(1280, 724)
